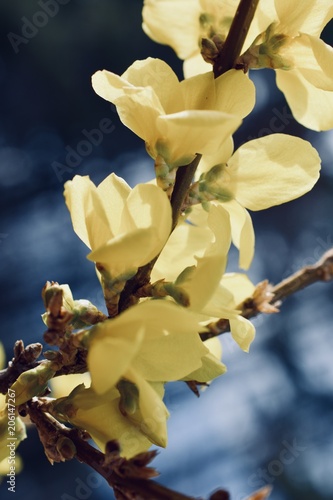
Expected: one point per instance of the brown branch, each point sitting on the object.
(183, 181)
(234, 42)
(251, 307)
(184, 178)
(24, 359)
(61, 443)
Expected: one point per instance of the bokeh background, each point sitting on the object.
(269, 420)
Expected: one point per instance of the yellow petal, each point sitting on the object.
(308, 16)
(164, 23)
(113, 192)
(239, 286)
(211, 368)
(235, 93)
(153, 413)
(109, 357)
(242, 232)
(64, 385)
(191, 132)
(157, 75)
(185, 242)
(313, 58)
(195, 65)
(312, 107)
(211, 364)
(266, 174)
(117, 254)
(171, 347)
(204, 280)
(100, 416)
(148, 206)
(242, 331)
(88, 216)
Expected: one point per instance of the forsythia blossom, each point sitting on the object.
(176, 119)
(284, 36)
(260, 174)
(155, 341)
(113, 220)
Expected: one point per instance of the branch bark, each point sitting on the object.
(251, 307)
(236, 37)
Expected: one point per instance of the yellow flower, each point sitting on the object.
(183, 24)
(154, 341)
(100, 415)
(303, 62)
(283, 35)
(176, 119)
(262, 173)
(199, 255)
(124, 228)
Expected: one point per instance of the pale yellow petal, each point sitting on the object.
(89, 219)
(313, 58)
(109, 358)
(163, 21)
(117, 254)
(242, 331)
(62, 386)
(138, 112)
(158, 76)
(185, 242)
(204, 280)
(153, 412)
(148, 206)
(195, 65)
(191, 132)
(113, 192)
(239, 285)
(266, 174)
(307, 16)
(172, 347)
(235, 93)
(101, 417)
(242, 232)
(311, 107)
(220, 156)
(211, 368)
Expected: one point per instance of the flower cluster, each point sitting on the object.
(283, 36)
(161, 249)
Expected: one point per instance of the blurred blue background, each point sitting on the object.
(269, 420)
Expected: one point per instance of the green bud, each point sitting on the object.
(129, 397)
(32, 382)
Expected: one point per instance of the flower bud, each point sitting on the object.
(32, 382)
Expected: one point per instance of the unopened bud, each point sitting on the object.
(32, 382)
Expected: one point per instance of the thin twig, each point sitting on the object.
(234, 42)
(321, 271)
(117, 472)
(184, 178)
